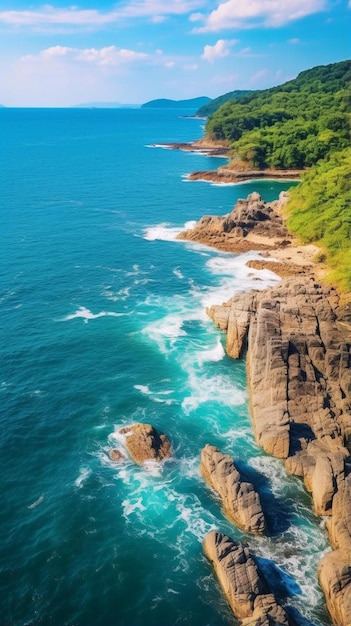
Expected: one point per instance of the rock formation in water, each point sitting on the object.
(249, 218)
(247, 592)
(297, 336)
(145, 443)
(298, 339)
(241, 502)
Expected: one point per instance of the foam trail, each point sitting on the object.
(87, 315)
(84, 473)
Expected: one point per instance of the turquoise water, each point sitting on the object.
(103, 324)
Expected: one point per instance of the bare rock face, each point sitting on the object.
(145, 443)
(335, 579)
(250, 216)
(248, 594)
(240, 501)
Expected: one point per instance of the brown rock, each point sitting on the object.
(116, 455)
(145, 443)
(335, 579)
(248, 594)
(228, 232)
(240, 501)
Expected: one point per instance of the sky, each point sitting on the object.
(133, 51)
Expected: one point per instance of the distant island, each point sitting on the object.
(164, 103)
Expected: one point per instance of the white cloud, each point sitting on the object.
(48, 17)
(254, 13)
(220, 49)
(294, 41)
(108, 56)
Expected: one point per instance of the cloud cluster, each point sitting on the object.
(253, 13)
(48, 17)
(109, 56)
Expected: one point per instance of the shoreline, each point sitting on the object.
(228, 174)
(298, 338)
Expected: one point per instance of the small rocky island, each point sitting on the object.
(297, 341)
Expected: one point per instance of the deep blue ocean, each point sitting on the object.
(103, 324)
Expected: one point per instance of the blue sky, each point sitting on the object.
(132, 51)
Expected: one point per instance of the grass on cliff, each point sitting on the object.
(319, 212)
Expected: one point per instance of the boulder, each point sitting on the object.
(145, 443)
(116, 455)
(240, 501)
(247, 592)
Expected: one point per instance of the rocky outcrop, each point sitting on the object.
(241, 502)
(298, 339)
(145, 443)
(250, 217)
(230, 174)
(247, 592)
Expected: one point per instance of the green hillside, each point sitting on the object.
(290, 126)
(213, 105)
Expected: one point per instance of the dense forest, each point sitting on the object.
(290, 126)
(303, 124)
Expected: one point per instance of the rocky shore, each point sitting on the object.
(233, 172)
(297, 341)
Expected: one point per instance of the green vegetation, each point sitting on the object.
(213, 105)
(290, 126)
(320, 212)
(303, 124)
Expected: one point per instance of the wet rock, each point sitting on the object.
(247, 592)
(145, 443)
(116, 455)
(240, 501)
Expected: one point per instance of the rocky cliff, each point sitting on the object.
(297, 338)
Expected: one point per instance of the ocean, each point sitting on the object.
(103, 324)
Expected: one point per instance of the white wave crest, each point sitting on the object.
(166, 232)
(87, 315)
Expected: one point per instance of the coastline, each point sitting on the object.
(229, 174)
(299, 338)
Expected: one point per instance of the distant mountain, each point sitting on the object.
(164, 103)
(212, 106)
(105, 105)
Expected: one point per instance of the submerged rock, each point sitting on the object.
(145, 443)
(116, 455)
(240, 501)
(247, 592)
